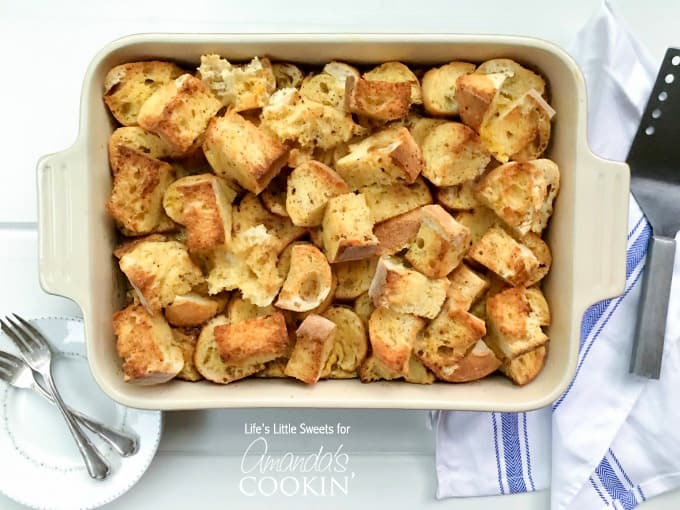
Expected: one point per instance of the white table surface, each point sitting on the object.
(45, 48)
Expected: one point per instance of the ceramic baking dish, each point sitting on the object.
(587, 233)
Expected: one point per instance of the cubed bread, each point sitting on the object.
(542, 252)
(137, 139)
(325, 304)
(372, 369)
(478, 221)
(519, 78)
(273, 197)
(159, 272)
(350, 345)
(314, 343)
(202, 203)
(247, 264)
(405, 290)
(128, 86)
(250, 212)
(136, 200)
(514, 322)
(440, 244)
(240, 87)
(379, 100)
(466, 288)
(521, 194)
(241, 152)
(309, 188)
(453, 154)
(363, 307)
(460, 197)
(388, 156)
(324, 88)
(179, 112)
(474, 94)
(185, 339)
(347, 229)
(253, 341)
(387, 201)
(539, 305)
(240, 309)
(192, 309)
(309, 124)
(510, 260)
(447, 339)
(287, 75)
(396, 233)
(127, 244)
(392, 335)
(396, 72)
(340, 70)
(207, 358)
(439, 88)
(145, 343)
(476, 364)
(354, 277)
(524, 368)
(308, 281)
(420, 126)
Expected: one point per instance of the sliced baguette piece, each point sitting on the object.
(420, 127)
(309, 188)
(524, 368)
(325, 89)
(459, 197)
(478, 221)
(397, 232)
(405, 290)
(392, 335)
(314, 343)
(387, 201)
(354, 277)
(192, 309)
(363, 307)
(476, 364)
(388, 156)
(350, 345)
(375, 370)
(207, 359)
(325, 304)
(145, 343)
(466, 288)
(379, 100)
(439, 88)
(474, 94)
(542, 252)
(139, 140)
(287, 75)
(308, 282)
(185, 339)
(440, 244)
(253, 341)
(240, 309)
(397, 72)
(347, 229)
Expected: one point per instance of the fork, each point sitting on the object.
(37, 354)
(19, 375)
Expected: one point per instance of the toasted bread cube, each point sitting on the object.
(510, 260)
(396, 233)
(202, 203)
(139, 140)
(396, 72)
(341, 70)
(375, 370)
(240, 309)
(474, 94)
(325, 89)
(293, 118)
(247, 264)
(274, 196)
(192, 309)
(241, 87)
(313, 346)
(136, 201)
(524, 368)
(406, 290)
(453, 154)
(354, 277)
(128, 244)
(459, 197)
(310, 186)
(128, 86)
(420, 127)
(239, 151)
(159, 272)
(287, 75)
(539, 306)
(363, 307)
(179, 112)
(347, 229)
(386, 157)
(476, 364)
(250, 213)
(308, 281)
(350, 344)
(145, 343)
(515, 322)
(185, 339)
(440, 244)
(392, 335)
(521, 194)
(542, 252)
(387, 201)
(380, 100)
(323, 306)
(253, 341)
(478, 221)
(439, 88)
(207, 359)
(466, 288)
(447, 339)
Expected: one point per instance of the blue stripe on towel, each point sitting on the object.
(526, 449)
(498, 457)
(623, 472)
(614, 486)
(511, 453)
(599, 492)
(644, 498)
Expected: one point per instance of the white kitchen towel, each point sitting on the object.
(599, 444)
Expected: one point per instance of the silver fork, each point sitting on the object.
(37, 354)
(19, 375)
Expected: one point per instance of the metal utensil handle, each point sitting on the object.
(125, 444)
(651, 324)
(96, 464)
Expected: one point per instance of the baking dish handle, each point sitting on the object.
(61, 248)
(602, 218)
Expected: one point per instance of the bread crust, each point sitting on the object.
(314, 343)
(256, 340)
(380, 100)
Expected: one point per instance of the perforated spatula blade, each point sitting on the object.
(654, 161)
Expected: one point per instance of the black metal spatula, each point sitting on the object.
(654, 160)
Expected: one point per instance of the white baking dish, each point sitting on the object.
(587, 233)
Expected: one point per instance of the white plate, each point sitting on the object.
(41, 466)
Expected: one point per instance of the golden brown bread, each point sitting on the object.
(458, 197)
(308, 281)
(392, 335)
(397, 72)
(510, 260)
(354, 277)
(476, 364)
(314, 343)
(274, 196)
(380, 100)
(347, 229)
(252, 341)
(192, 309)
(185, 339)
(287, 75)
(524, 368)
(240, 309)
(387, 201)
(363, 307)
(466, 287)
(309, 188)
(137, 139)
(439, 88)
(350, 345)
(394, 234)
(372, 369)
